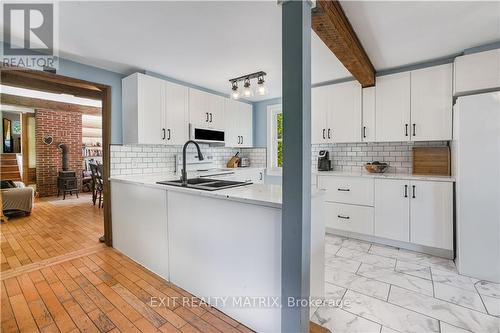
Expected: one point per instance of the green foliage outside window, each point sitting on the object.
(279, 137)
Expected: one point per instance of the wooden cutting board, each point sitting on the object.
(431, 161)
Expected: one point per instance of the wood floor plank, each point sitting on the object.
(61, 317)
(22, 313)
(103, 323)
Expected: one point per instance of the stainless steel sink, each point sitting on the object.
(206, 184)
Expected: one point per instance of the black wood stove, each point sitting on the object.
(66, 181)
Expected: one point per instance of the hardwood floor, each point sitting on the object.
(57, 277)
(102, 292)
(55, 227)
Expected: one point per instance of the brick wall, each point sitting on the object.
(63, 127)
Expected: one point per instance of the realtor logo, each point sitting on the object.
(29, 35)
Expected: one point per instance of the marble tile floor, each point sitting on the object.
(385, 290)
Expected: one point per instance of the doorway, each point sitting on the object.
(95, 147)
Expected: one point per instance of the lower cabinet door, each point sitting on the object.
(392, 209)
(431, 214)
(349, 217)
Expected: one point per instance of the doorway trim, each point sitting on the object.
(55, 83)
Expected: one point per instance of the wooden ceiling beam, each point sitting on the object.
(38, 103)
(333, 28)
(49, 82)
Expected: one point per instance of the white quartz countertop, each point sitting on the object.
(259, 194)
(385, 175)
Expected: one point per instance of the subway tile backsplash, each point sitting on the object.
(147, 159)
(352, 156)
(150, 159)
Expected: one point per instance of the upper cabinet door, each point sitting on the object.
(246, 124)
(368, 129)
(150, 104)
(176, 114)
(231, 118)
(215, 109)
(431, 216)
(431, 103)
(392, 100)
(319, 111)
(238, 124)
(198, 109)
(344, 121)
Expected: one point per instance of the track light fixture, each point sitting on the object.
(247, 91)
(235, 94)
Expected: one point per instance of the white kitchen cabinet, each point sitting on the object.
(205, 109)
(344, 112)
(176, 114)
(431, 214)
(238, 124)
(143, 105)
(477, 72)
(154, 111)
(336, 113)
(392, 209)
(431, 103)
(319, 112)
(352, 218)
(349, 190)
(392, 104)
(140, 225)
(368, 129)
(419, 212)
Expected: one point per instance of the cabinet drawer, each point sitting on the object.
(350, 190)
(349, 217)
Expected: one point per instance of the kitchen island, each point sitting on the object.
(222, 246)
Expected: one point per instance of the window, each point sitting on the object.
(274, 138)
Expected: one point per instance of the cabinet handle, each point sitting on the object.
(413, 194)
(364, 131)
(406, 129)
(260, 178)
(210, 116)
(324, 134)
(242, 140)
(164, 134)
(206, 119)
(414, 131)
(343, 189)
(329, 130)
(406, 191)
(169, 134)
(343, 217)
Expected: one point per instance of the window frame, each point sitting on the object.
(272, 140)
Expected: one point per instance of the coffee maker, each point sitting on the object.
(324, 163)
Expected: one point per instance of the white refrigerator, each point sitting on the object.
(476, 167)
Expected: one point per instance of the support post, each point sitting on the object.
(296, 214)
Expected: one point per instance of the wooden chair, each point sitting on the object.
(97, 183)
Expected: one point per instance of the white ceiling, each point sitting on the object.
(397, 33)
(206, 43)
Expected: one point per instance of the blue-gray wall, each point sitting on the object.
(97, 75)
(94, 74)
(260, 121)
